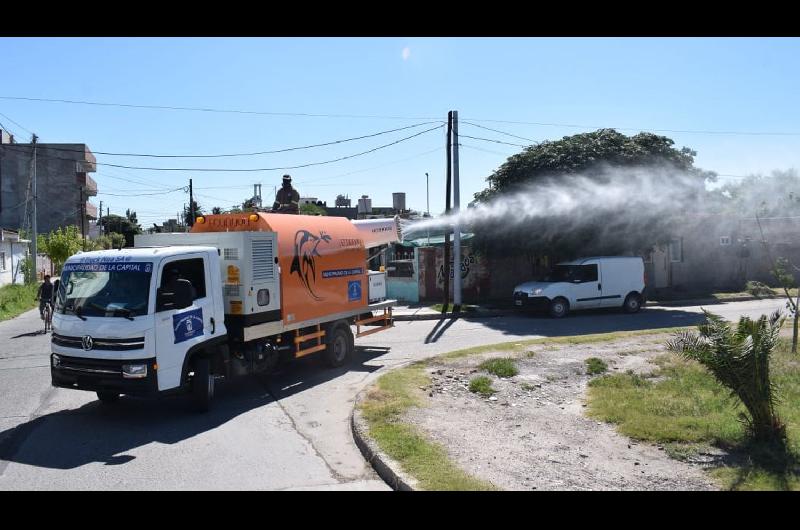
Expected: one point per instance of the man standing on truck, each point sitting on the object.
(45, 294)
(287, 200)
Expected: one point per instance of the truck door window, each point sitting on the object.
(192, 270)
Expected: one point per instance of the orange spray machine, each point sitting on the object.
(321, 260)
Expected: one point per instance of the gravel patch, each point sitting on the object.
(532, 433)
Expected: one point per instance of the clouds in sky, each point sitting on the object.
(406, 53)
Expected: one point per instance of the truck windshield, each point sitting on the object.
(105, 289)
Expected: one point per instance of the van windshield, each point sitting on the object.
(119, 289)
(562, 273)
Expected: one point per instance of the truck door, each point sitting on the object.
(613, 282)
(586, 287)
(179, 329)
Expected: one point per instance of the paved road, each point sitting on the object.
(286, 431)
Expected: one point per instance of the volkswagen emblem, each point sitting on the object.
(87, 342)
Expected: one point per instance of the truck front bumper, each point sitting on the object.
(102, 375)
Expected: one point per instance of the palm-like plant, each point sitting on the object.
(739, 359)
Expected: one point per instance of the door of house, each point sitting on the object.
(661, 267)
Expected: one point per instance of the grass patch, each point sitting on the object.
(595, 366)
(518, 346)
(687, 408)
(428, 462)
(481, 385)
(501, 367)
(16, 299)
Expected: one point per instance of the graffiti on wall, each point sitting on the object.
(467, 263)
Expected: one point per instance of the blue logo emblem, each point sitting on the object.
(187, 325)
(354, 291)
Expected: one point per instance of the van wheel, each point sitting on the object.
(559, 308)
(340, 346)
(202, 385)
(108, 397)
(633, 303)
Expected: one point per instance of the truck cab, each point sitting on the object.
(127, 321)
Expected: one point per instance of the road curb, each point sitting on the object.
(512, 312)
(387, 469)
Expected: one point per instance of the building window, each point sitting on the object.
(724, 241)
(676, 250)
(2, 261)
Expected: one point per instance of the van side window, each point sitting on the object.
(188, 269)
(588, 273)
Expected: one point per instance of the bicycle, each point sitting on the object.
(48, 317)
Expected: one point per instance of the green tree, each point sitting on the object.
(216, 210)
(739, 359)
(60, 244)
(312, 209)
(109, 241)
(586, 154)
(187, 213)
(127, 226)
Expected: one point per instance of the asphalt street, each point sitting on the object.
(288, 430)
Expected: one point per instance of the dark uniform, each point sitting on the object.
(287, 200)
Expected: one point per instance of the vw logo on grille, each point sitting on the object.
(87, 342)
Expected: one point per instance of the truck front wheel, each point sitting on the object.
(202, 385)
(340, 346)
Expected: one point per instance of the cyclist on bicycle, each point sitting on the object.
(45, 295)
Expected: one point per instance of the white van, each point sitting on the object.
(587, 283)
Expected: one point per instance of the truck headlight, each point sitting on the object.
(55, 360)
(134, 371)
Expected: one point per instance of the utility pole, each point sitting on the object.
(100, 219)
(82, 209)
(191, 204)
(446, 266)
(457, 224)
(428, 204)
(35, 226)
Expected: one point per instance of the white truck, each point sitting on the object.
(180, 311)
(586, 283)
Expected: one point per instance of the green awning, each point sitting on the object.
(433, 241)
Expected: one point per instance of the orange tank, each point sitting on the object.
(322, 260)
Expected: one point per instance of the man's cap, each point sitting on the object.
(287, 178)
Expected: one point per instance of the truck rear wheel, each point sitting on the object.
(340, 346)
(202, 385)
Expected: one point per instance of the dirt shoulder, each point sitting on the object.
(533, 435)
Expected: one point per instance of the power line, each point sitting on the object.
(208, 109)
(501, 132)
(490, 140)
(16, 123)
(254, 153)
(371, 168)
(688, 131)
(310, 164)
(476, 148)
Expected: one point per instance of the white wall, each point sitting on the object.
(5, 267)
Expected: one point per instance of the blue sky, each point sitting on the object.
(698, 84)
